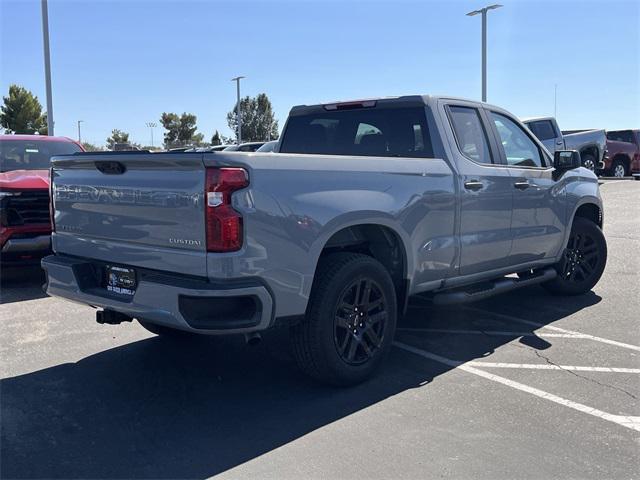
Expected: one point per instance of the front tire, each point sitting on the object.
(583, 261)
(350, 320)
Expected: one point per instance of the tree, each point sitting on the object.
(22, 112)
(180, 130)
(258, 122)
(90, 147)
(117, 136)
(216, 139)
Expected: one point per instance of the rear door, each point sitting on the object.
(539, 206)
(135, 209)
(486, 192)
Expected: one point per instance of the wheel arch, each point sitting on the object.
(624, 158)
(377, 240)
(591, 150)
(589, 210)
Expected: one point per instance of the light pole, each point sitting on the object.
(47, 65)
(484, 11)
(238, 111)
(151, 126)
(79, 136)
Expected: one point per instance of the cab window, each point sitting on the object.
(519, 149)
(470, 134)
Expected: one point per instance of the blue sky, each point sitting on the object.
(119, 64)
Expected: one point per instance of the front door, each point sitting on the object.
(538, 203)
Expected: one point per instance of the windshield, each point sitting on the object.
(32, 154)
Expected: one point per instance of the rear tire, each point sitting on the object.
(583, 260)
(350, 320)
(589, 161)
(618, 169)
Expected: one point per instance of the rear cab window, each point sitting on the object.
(368, 131)
(543, 129)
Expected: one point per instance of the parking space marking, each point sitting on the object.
(546, 366)
(557, 329)
(631, 422)
(494, 332)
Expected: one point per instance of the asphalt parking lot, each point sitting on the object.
(520, 386)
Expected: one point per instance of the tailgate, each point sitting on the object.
(138, 209)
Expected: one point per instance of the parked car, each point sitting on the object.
(624, 153)
(268, 147)
(244, 147)
(592, 144)
(25, 225)
(366, 203)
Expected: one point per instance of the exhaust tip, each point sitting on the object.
(252, 339)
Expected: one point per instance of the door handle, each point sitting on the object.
(559, 142)
(473, 185)
(522, 185)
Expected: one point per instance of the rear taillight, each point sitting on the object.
(224, 224)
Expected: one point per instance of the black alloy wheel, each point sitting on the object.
(359, 323)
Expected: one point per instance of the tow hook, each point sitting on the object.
(111, 317)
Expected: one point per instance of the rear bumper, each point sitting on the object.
(24, 245)
(170, 300)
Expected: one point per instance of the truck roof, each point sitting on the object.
(406, 100)
(536, 119)
(40, 138)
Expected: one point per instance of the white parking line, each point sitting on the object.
(494, 332)
(546, 366)
(557, 329)
(631, 422)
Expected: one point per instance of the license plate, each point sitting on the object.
(121, 280)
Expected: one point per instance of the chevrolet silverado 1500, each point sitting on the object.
(363, 204)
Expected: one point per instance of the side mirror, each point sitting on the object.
(566, 160)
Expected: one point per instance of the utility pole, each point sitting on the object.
(79, 136)
(151, 126)
(238, 110)
(47, 65)
(484, 11)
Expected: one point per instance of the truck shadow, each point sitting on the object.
(20, 284)
(164, 409)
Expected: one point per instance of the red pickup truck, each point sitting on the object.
(25, 226)
(623, 147)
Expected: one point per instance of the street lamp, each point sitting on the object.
(238, 111)
(484, 11)
(151, 126)
(79, 136)
(47, 65)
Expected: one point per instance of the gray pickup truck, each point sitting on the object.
(591, 143)
(364, 204)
